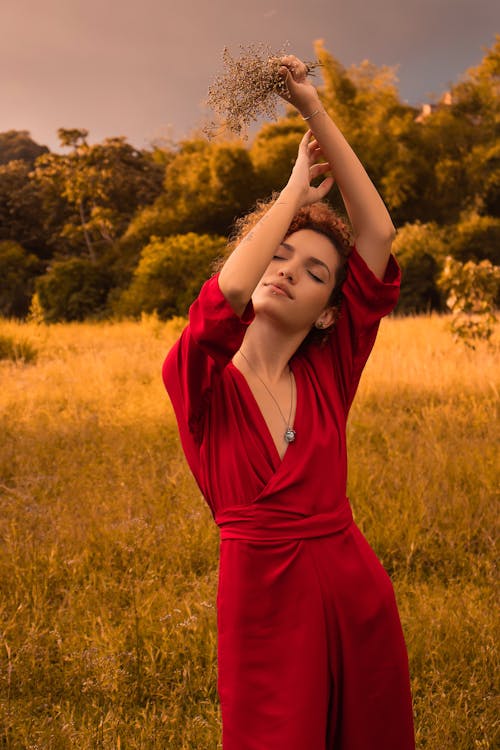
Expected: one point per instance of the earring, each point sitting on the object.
(319, 325)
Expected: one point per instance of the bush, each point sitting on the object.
(475, 238)
(73, 289)
(17, 273)
(471, 290)
(419, 249)
(274, 152)
(170, 274)
(17, 350)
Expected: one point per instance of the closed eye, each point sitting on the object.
(311, 274)
(316, 277)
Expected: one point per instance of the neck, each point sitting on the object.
(269, 350)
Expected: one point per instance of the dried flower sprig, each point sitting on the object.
(250, 86)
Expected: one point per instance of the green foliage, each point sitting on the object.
(274, 151)
(17, 349)
(106, 201)
(18, 145)
(339, 91)
(428, 168)
(73, 289)
(206, 186)
(150, 221)
(405, 180)
(73, 137)
(363, 100)
(476, 95)
(475, 238)
(21, 209)
(472, 291)
(483, 165)
(101, 187)
(170, 274)
(17, 272)
(462, 140)
(419, 248)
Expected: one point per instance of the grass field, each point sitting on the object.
(108, 556)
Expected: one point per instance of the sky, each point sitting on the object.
(142, 68)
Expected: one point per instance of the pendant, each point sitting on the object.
(289, 435)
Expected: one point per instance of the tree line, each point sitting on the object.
(108, 230)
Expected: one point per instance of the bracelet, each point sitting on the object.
(309, 117)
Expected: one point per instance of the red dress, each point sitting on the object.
(311, 653)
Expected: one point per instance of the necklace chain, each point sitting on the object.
(289, 432)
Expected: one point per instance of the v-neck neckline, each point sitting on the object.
(298, 406)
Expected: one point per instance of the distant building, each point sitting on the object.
(427, 109)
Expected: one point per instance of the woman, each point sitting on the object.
(311, 653)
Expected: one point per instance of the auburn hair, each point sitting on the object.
(321, 218)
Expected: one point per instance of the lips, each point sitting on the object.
(282, 287)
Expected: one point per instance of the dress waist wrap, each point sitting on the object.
(260, 523)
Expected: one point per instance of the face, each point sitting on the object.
(305, 264)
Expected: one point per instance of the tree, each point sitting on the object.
(73, 289)
(474, 238)
(461, 137)
(426, 168)
(170, 274)
(475, 97)
(483, 166)
(102, 186)
(21, 209)
(17, 274)
(273, 153)
(17, 145)
(364, 102)
(206, 187)
(420, 250)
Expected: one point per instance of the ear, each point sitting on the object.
(328, 317)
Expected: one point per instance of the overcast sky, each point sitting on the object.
(141, 68)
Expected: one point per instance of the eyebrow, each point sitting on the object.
(317, 261)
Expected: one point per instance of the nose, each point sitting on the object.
(286, 272)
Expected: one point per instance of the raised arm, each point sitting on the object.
(370, 220)
(247, 263)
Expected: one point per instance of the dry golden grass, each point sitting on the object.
(108, 561)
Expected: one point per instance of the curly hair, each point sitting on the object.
(321, 218)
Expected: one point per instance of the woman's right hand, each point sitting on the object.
(305, 170)
(299, 90)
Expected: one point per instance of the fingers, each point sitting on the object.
(310, 150)
(315, 149)
(325, 187)
(297, 68)
(304, 141)
(311, 145)
(317, 169)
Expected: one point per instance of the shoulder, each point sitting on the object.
(363, 287)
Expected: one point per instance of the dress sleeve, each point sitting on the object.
(366, 300)
(214, 333)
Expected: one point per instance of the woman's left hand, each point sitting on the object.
(306, 169)
(301, 92)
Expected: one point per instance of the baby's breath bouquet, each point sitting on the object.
(249, 87)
